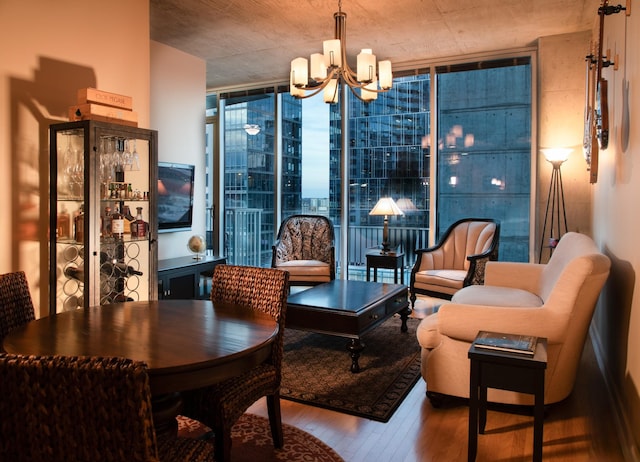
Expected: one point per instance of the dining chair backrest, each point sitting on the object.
(258, 289)
(16, 306)
(75, 408)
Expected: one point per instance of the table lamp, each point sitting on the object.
(386, 206)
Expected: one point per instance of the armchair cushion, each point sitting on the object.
(555, 301)
(496, 296)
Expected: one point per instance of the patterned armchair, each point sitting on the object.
(457, 261)
(305, 249)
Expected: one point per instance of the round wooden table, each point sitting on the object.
(186, 344)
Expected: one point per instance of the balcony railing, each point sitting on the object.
(364, 238)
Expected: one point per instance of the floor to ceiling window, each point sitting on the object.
(484, 148)
(249, 178)
(481, 149)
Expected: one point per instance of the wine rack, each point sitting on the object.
(100, 252)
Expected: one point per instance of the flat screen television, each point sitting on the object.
(175, 196)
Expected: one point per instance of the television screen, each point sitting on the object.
(175, 196)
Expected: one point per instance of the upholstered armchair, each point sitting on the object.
(305, 248)
(554, 300)
(457, 261)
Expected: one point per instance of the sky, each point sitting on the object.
(315, 147)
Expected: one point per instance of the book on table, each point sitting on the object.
(511, 343)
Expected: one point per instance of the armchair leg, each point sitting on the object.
(275, 419)
(412, 298)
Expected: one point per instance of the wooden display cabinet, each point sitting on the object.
(96, 169)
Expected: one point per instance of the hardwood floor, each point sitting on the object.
(581, 428)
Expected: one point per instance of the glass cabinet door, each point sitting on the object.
(103, 220)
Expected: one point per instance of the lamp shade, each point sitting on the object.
(385, 75)
(331, 91)
(386, 206)
(299, 72)
(332, 52)
(366, 65)
(556, 154)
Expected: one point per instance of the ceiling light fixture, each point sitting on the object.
(252, 129)
(330, 68)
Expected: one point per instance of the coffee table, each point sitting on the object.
(347, 309)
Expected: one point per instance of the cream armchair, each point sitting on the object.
(554, 300)
(305, 249)
(457, 261)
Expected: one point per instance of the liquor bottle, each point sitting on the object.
(128, 219)
(139, 228)
(74, 273)
(117, 224)
(78, 225)
(106, 222)
(63, 229)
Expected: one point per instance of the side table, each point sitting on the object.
(506, 371)
(391, 260)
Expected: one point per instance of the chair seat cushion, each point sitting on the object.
(450, 279)
(496, 296)
(306, 270)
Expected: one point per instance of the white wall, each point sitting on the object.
(48, 50)
(178, 90)
(617, 221)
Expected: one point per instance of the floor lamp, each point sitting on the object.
(555, 200)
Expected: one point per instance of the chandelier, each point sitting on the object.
(330, 68)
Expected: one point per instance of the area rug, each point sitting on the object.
(251, 441)
(316, 370)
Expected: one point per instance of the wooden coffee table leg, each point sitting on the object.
(355, 346)
(404, 315)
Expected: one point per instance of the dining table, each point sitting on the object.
(186, 344)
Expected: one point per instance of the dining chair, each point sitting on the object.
(16, 306)
(219, 406)
(83, 409)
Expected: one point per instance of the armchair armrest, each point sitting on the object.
(518, 275)
(463, 322)
(477, 264)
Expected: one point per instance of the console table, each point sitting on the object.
(185, 277)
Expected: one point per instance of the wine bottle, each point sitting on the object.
(73, 272)
(117, 269)
(78, 225)
(117, 223)
(64, 224)
(106, 222)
